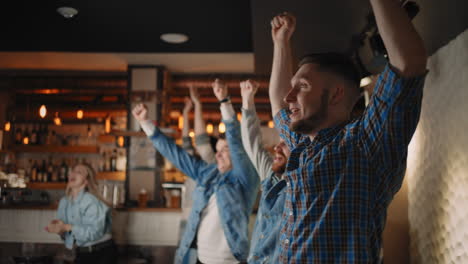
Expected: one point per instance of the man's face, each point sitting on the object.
(308, 99)
(280, 158)
(223, 156)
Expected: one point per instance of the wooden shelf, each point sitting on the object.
(57, 149)
(111, 175)
(47, 185)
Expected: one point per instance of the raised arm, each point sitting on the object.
(189, 165)
(282, 28)
(186, 140)
(241, 164)
(202, 140)
(405, 47)
(250, 131)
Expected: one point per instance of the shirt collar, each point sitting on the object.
(79, 196)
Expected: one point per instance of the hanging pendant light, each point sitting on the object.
(7, 126)
(79, 114)
(42, 111)
(57, 120)
(209, 128)
(271, 124)
(221, 128)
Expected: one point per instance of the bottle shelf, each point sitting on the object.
(47, 185)
(56, 149)
(111, 175)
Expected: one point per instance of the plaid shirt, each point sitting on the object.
(341, 182)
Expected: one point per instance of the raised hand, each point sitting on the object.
(188, 105)
(282, 27)
(140, 112)
(248, 89)
(219, 89)
(194, 95)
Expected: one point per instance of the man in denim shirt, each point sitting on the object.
(270, 170)
(225, 193)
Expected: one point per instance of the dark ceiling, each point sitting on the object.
(213, 26)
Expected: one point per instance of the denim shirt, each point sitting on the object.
(235, 190)
(90, 218)
(265, 237)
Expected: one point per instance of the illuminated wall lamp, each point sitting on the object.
(42, 111)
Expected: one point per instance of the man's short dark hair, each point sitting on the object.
(336, 63)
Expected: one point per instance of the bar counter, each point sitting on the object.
(131, 226)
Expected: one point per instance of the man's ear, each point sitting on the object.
(337, 93)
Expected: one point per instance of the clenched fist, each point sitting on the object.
(140, 112)
(248, 89)
(282, 27)
(219, 89)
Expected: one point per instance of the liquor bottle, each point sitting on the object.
(42, 174)
(63, 171)
(40, 135)
(47, 136)
(33, 140)
(50, 169)
(34, 168)
(55, 172)
(113, 160)
(25, 139)
(107, 164)
(18, 135)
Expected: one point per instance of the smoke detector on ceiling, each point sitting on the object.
(67, 12)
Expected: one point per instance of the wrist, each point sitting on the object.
(247, 104)
(226, 99)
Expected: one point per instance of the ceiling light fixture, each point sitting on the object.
(174, 38)
(67, 12)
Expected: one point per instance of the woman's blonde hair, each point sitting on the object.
(92, 186)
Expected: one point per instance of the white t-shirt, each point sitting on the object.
(211, 242)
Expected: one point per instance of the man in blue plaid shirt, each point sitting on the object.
(342, 173)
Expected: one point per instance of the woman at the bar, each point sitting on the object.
(84, 219)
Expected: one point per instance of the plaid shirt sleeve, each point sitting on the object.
(282, 122)
(391, 116)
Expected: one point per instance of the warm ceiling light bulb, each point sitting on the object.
(191, 134)
(57, 120)
(222, 127)
(180, 123)
(79, 114)
(239, 116)
(365, 81)
(42, 111)
(271, 124)
(209, 128)
(7, 126)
